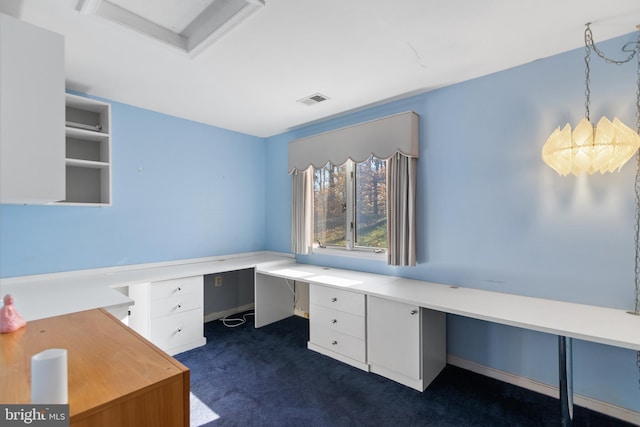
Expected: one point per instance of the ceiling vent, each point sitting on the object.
(313, 99)
(190, 27)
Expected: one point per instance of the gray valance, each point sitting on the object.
(381, 138)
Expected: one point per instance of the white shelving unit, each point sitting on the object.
(88, 152)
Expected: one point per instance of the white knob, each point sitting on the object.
(334, 299)
(414, 312)
(334, 320)
(334, 342)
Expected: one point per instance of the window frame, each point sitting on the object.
(350, 248)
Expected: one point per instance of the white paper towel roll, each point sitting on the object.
(49, 377)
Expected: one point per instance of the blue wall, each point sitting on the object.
(200, 192)
(492, 215)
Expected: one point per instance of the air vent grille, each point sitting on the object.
(313, 99)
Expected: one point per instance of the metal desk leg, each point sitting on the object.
(565, 373)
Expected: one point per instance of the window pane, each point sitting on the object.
(330, 202)
(371, 203)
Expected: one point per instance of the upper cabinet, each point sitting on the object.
(88, 151)
(32, 100)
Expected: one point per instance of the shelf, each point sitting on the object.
(86, 163)
(88, 135)
(87, 152)
(88, 184)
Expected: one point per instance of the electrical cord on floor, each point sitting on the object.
(235, 322)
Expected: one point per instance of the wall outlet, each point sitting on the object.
(217, 281)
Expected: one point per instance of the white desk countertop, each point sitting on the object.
(586, 322)
(47, 295)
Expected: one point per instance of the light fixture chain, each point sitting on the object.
(589, 44)
(588, 41)
(588, 37)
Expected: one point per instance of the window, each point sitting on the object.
(353, 206)
(350, 206)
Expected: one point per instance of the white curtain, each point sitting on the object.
(401, 210)
(302, 211)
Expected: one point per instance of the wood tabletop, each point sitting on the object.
(108, 363)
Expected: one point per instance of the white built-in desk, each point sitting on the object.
(566, 320)
(60, 293)
(47, 295)
(590, 323)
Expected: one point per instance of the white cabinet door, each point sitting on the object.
(32, 111)
(394, 336)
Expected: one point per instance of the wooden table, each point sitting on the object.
(115, 376)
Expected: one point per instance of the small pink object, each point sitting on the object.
(10, 320)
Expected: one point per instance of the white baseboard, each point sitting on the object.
(339, 357)
(220, 314)
(546, 389)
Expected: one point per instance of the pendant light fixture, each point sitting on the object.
(588, 148)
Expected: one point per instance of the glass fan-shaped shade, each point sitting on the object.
(604, 148)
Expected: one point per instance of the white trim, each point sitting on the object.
(210, 317)
(186, 347)
(353, 253)
(339, 357)
(546, 389)
(212, 24)
(418, 385)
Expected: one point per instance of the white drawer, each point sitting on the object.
(346, 345)
(339, 321)
(170, 288)
(177, 330)
(338, 299)
(175, 304)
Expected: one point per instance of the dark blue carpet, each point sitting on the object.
(267, 377)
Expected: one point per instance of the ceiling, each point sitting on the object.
(355, 52)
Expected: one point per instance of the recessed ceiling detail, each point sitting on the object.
(313, 99)
(190, 26)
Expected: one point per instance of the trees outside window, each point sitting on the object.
(350, 205)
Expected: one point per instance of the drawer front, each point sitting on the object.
(178, 329)
(338, 299)
(174, 287)
(176, 304)
(340, 343)
(338, 321)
